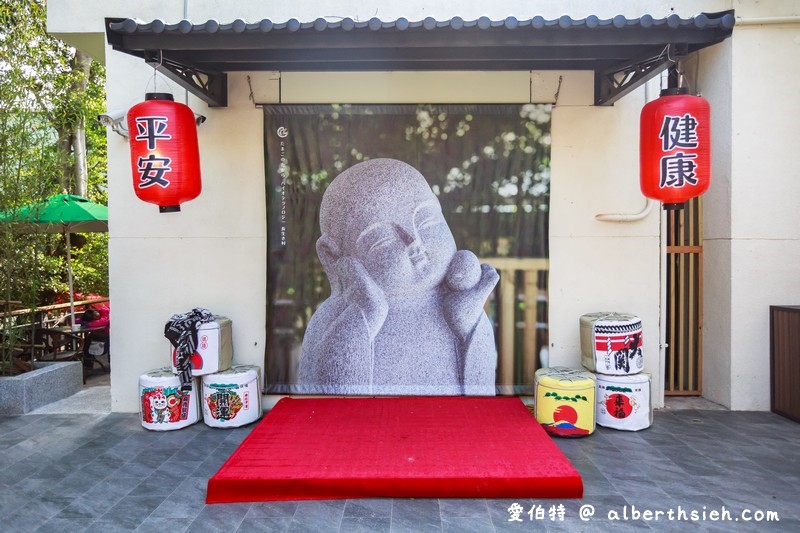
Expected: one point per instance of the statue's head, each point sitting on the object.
(383, 213)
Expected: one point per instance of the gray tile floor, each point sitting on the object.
(76, 472)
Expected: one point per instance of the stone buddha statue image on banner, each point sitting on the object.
(405, 315)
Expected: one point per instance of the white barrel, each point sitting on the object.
(162, 405)
(214, 348)
(232, 398)
(611, 343)
(623, 402)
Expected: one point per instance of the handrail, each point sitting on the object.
(54, 307)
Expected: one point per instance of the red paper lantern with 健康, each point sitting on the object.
(675, 148)
(165, 158)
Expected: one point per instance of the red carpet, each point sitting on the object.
(309, 449)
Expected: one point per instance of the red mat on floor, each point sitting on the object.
(433, 447)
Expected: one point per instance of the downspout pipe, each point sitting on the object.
(763, 21)
(627, 217)
(648, 205)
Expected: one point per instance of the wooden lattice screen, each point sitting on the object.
(518, 308)
(684, 353)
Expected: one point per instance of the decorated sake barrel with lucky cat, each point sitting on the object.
(162, 405)
(232, 398)
(623, 402)
(565, 401)
(611, 343)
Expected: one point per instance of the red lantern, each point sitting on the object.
(165, 158)
(675, 148)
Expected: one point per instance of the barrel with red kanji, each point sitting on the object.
(611, 343)
(165, 157)
(623, 402)
(675, 147)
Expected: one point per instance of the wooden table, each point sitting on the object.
(83, 333)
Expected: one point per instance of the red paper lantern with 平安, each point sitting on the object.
(675, 147)
(165, 157)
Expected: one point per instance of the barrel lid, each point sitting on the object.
(219, 321)
(565, 378)
(237, 369)
(608, 316)
(163, 372)
(641, 377)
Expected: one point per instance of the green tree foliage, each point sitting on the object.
(46, 94)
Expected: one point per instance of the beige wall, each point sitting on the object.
(213, 253)
(765, 191)
(715, 82)
(751, 228)
(601, 266)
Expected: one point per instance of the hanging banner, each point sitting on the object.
(486, 167)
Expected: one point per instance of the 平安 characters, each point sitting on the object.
(405, 315)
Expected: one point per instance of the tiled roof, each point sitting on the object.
(700, 21)
(198, 56)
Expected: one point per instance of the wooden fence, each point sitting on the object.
(518, 310)
(684, 324)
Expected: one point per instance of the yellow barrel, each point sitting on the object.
(565, 401)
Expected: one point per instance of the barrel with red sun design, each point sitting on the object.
(623, 402)
(565, 400)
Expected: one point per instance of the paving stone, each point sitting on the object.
(109, 474)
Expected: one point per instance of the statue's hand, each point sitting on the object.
(470, 284)
(360, 290)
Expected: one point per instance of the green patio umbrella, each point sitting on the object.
(62, 213)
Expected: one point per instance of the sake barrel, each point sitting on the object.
(232, 398)
(611, 343)
(214, 348)
(565, 401)
(623, 402)
(162, 405)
